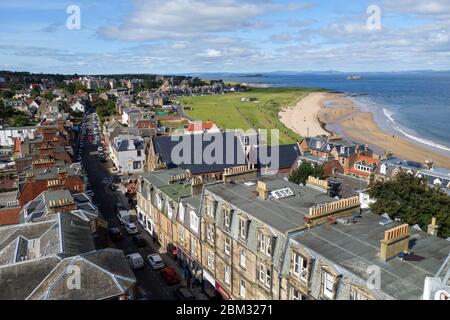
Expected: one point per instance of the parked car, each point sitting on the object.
(123, 216)
(170, 275)
(135, 260)
(184, 293)
(131, 228)
(155, 261)
(115, 234)
(139, 241)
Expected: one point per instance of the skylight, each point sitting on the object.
(282, 193)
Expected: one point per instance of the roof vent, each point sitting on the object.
(385, 220)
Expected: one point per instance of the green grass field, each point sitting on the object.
(228, 112)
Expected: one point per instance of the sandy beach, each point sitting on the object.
(355, 125)
(302, 118)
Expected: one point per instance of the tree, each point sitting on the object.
(413, 201)
(301, 174)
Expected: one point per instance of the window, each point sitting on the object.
(242, 259)
(159, 201)
(342, 149)
(318, 144)
(211, 259)
(169, 210)
(227, 246)
(193, 247)
(210, 233)
(181, 211)
(210, 207)
(243, 228)
(242, 288)
(265, 275)
(265, 244)
(356, 294)
(139, 153)
(328, 285)
(300, 267)
(181, 234)
(137, 165)
(194, 221)
(295, 294)
(227, 275)
(227, 218)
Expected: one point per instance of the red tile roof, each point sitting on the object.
(367, 161)
(197, 126)
(9, 216)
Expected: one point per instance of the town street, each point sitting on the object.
(150, 284)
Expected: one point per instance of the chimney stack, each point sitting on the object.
(396, 241)
(196, 186)
(263, 192)
(433, 227)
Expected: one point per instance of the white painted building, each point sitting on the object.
(128, 154)
(8, 134)
(78, 107)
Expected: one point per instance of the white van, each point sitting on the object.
(135, 260)
(123, 216)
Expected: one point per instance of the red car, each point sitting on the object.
(170, 275)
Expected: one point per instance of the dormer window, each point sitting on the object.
(342, 150)
(437, 182)
(318, 144)
(243, 225)
(169, 210)
(210, 233)
(181, 211)
(300, 268)
(210, 207)
(265, 244)
(227, 212)
(159, 201)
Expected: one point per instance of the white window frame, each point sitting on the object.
(242, 288)
(294, 296)
(300, 270)
(193, 247)
(159, 201)
(169, 210)
(181, 210)
(181, 234)
(265, 244)
(243, 228)
(227, 246)
(264, 275)
(227, 274)
(210, 207)
(194, 221)
(210, 258)
(328, 280)
(210, 232)
(227, 219)
(242, 259)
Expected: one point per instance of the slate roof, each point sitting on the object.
(195, 163)
(287, 156)
(285, 214)
(354, 247)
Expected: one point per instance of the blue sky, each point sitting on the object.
(183, 36)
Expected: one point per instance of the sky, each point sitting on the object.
(195, 36)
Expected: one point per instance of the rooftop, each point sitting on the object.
(354, 247)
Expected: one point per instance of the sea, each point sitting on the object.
(415, 105)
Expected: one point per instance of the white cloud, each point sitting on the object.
(175, 19)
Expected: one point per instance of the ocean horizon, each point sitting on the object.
(415, 105)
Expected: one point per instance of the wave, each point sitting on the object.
(427, 142)
(389, 115)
